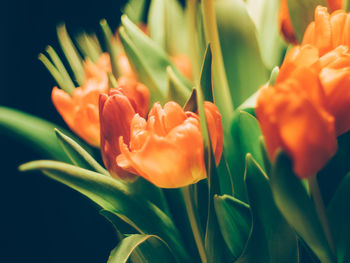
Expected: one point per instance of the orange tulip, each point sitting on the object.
(116, 112)
(335, 79)
(80, 111)
(167, 149)
(286, 23)
(328, 31)
(293, 114)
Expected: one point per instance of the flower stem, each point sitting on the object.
(320, 209)
(192, 215)
(191, 13)
(212, 35)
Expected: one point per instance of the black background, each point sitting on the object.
(41, 220)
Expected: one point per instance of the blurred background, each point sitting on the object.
(41, 220)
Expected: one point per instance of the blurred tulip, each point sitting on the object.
(167, 149)
(328, 31)
(183, 63)
(117, 109)
(286, 23)
(80, 111)
(293, 114)
(335, 79)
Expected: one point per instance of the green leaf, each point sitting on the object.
(244, 67)
(191, 103)
(245, 132)
(265, 16)
(176, 90)
(339, 218)
(157, 252)
(148, 60)
(302, 14)
(225, 177)
(88, 46)
(78, 155)
(297, 207)
(206, 76)
(32, 131)
(111, 47)
(346, 5)
(235, 222)
(71, 53)
(272, 239)
(135, 10)
(113, 195)
(214, 242)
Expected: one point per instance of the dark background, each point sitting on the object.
(41, 220)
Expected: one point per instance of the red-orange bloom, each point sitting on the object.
(328, 31)
(286, 23)
(80, 111)
(117, 109)
(335, 79)
(167, 149)
(183, 63)
(293, 114)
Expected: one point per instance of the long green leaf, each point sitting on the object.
(158, 252)
(272, 239)
(302, 13)
(235, 222)
(244, 67)
(113, 195)
(78, 155)
(339, 217)
(296, 206)
(33, 131)
(148, 59)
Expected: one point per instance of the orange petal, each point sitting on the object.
(64, 105)
(286, 23)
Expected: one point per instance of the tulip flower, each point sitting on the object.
(286, 23)
(293, 116)
(80, 111)
(167, 149)
(183, 63)
(328, 31)
(335, 80)
(117, 109)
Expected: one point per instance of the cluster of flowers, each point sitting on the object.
(309, 104)
(165, 146)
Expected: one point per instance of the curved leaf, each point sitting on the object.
(157, 252)
(297, 207)
(235, 222)
(272, 239)
(33, 131)
(78, 155)
(244, 67)
(113, 195)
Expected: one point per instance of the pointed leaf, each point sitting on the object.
(235, 222)
(158, 252)
(34, 132)
(240, 50)
(135, 10)
(206, 76)
(191, 103)
(148, 60)
(78, 155)
(297, 207)
(113, 195)
(302, 14)
(88, 47)
(265, 16)
(272, 239)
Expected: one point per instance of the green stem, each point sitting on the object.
(192, 215)
(320, 208)
(212, 36)
(191, 13)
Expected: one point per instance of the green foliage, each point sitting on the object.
(297, 207)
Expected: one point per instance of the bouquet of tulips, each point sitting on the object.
(210, 131)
